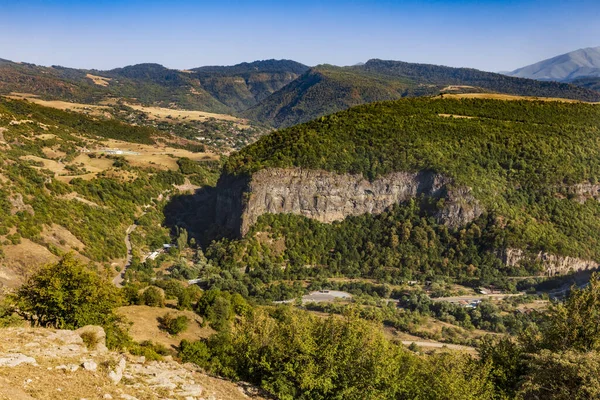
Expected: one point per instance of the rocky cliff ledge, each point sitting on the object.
(327, 196)
(553, 264)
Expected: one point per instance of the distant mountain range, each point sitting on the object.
(326, 89)
(215, 89)
(569, 67)
(278, 93)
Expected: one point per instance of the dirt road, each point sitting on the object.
(118, 280)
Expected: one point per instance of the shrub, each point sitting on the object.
(153, 297)
(90, 339)
(173, 325)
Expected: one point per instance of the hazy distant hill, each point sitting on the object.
(326, 89)
(565, 67)
(275, 92)
(215, 89)
(244, 85)
(588, 82)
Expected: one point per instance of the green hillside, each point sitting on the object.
(61, 190)
(216, 89)
(327, 89)
(523, 160)
(243, 85)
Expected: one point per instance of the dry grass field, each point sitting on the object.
(61, 105)
(498, 96)
(99, 80)
(145, 325)
(172, 114)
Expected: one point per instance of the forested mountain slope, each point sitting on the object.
(214, 89)
(530, 168)
(244, 85)
(326, 89)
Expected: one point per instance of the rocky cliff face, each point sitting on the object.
(327, 196)
(553, 264)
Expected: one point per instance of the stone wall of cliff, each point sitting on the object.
(327, 196)
(552, 264)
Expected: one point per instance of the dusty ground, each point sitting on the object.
(20, 258)
(145, 325)
(158, 156)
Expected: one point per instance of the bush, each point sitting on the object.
(173, 325)
(153, 297)
(151, 351)
(68, 295)
(90, 339)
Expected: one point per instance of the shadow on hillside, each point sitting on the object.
(560, 285)
(195, 213)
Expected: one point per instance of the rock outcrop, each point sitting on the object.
(327, 196)
(553, 264)
(39, 363)
(584, 191)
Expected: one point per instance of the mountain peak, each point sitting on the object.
(565, 67)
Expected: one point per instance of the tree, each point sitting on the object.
(172, 324)
(573, 324)
(569, 375)
(68, 295)
(153, 297)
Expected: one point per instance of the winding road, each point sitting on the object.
(118, 280)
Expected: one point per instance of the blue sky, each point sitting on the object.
(491, 35)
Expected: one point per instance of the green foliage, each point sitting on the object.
(172, 324)
(90, 339)
(573, 324)
(153, 297)
(8, 316)
(219, 308)
(522, 159)
(83, 124)
(295, 355)
(151, 351)
(68, 295)
(569, 375)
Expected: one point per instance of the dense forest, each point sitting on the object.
(533, 165)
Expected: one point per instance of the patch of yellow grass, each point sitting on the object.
(162, 114)
(60, 105)
(51, 165)
(145, 325)
(157, 156)
(99, 80)
(498, 96)
(455, 116)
